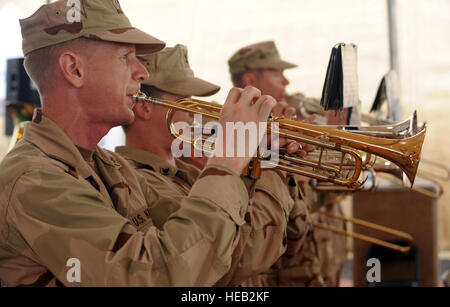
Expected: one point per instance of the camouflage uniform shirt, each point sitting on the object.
(55, 207)
(262, 237)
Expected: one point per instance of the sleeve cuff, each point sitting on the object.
(225, 188)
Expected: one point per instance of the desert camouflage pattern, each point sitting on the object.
(299, 265)
(262, 237)
(55, 206)
(63, 20)
(321, 261)
(307, 107)
(324, 254)
(170, 71)
(169, 180)
(331, 246)
(268, 215)
(263, 55)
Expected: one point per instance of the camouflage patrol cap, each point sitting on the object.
(261, 55)
(170, 71)
(65, 20)
(310, 104)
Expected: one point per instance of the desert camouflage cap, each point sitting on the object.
(299, 100)
(65, 20)
(260, 55)
(170, 71)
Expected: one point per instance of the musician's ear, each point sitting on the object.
(143, 111)
(249, 79)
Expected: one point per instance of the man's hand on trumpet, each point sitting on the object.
(295, 148)
(283, 110)
(241, 106)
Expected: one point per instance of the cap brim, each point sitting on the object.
(287, 65)
(145, 43)
(276, 64)
(191, 87)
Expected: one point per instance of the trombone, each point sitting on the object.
(404, 152)
(403, 249)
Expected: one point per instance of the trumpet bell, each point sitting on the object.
(404, 152)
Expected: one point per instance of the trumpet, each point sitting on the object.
(387, 129)
(404, 152)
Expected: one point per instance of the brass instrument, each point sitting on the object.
(343, 143)
(374, 168)
(404, 152)
(407, 237)
(407, 127)
(384, 129)
(440, 171)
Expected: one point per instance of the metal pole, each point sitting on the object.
(392, 28)
(394, 107)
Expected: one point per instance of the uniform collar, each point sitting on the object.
(147, 158)
(190, 172)
(54, 142)
(182, 170)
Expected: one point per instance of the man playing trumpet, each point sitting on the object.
(149, 149)
(64, 200)
(260, 65)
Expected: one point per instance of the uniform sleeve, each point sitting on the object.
(300, 221)
(59, 218)
(263, 239)
(299, 265)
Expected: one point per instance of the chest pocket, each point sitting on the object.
(115, 183)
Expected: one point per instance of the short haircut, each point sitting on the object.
(40, 64)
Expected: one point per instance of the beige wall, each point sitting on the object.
(305, 31)
(424, 44)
